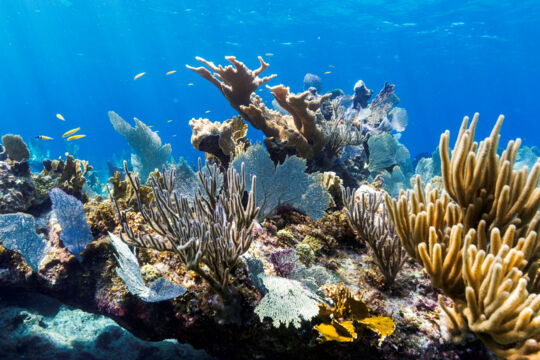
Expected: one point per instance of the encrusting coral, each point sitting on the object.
(215, 231)
(478, 241)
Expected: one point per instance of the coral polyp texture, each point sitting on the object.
(478, 241)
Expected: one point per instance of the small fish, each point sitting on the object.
(150, 126)
(170, 72)
(43, 137)
(70, 132)
(269, 54)
(174, 135)
(60, 117)
(75, 137)
(332, 66)
(155, 132)
(207, 111)
(327, 72)
(139, 75)
(190, 84)
(169, 121)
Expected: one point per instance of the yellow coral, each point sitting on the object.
(479, 241)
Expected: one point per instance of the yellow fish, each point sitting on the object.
(169, 121)
(70, 132)
(332, 66)
(155, 132)
(75, 137)
(174, 135)
(138, 75)
(190, 84)
(269, 54)
(60, 117)
(207, 111)
(170, 72)
(43, 137)
(327, 72)
(150, 126)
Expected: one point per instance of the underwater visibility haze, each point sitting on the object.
(263, 179)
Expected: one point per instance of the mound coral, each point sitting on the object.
(15, 147)
(478, 241)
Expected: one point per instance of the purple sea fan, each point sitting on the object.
(70, 214)
(283, 261)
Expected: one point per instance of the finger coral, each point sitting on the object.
(478, 240)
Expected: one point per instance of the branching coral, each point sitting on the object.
(377, 230)
(479, 241)
(298, 133)
(213, 232)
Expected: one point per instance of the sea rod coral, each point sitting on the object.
(214, 231)
(478, 241)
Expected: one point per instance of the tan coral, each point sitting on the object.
(479, 242)
(236, 82)
(296, 133)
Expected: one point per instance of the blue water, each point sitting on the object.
(78, 58)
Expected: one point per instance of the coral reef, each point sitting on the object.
(298, 133)
(69, 175)
(71, 217)
(215, 232)
(15, 147)
(478, 240)
(274, 190)
(149, 153)
(222, 140)
(18, 233)
(129, 271)
(376, 230)
(324, 274)
(16, 187)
